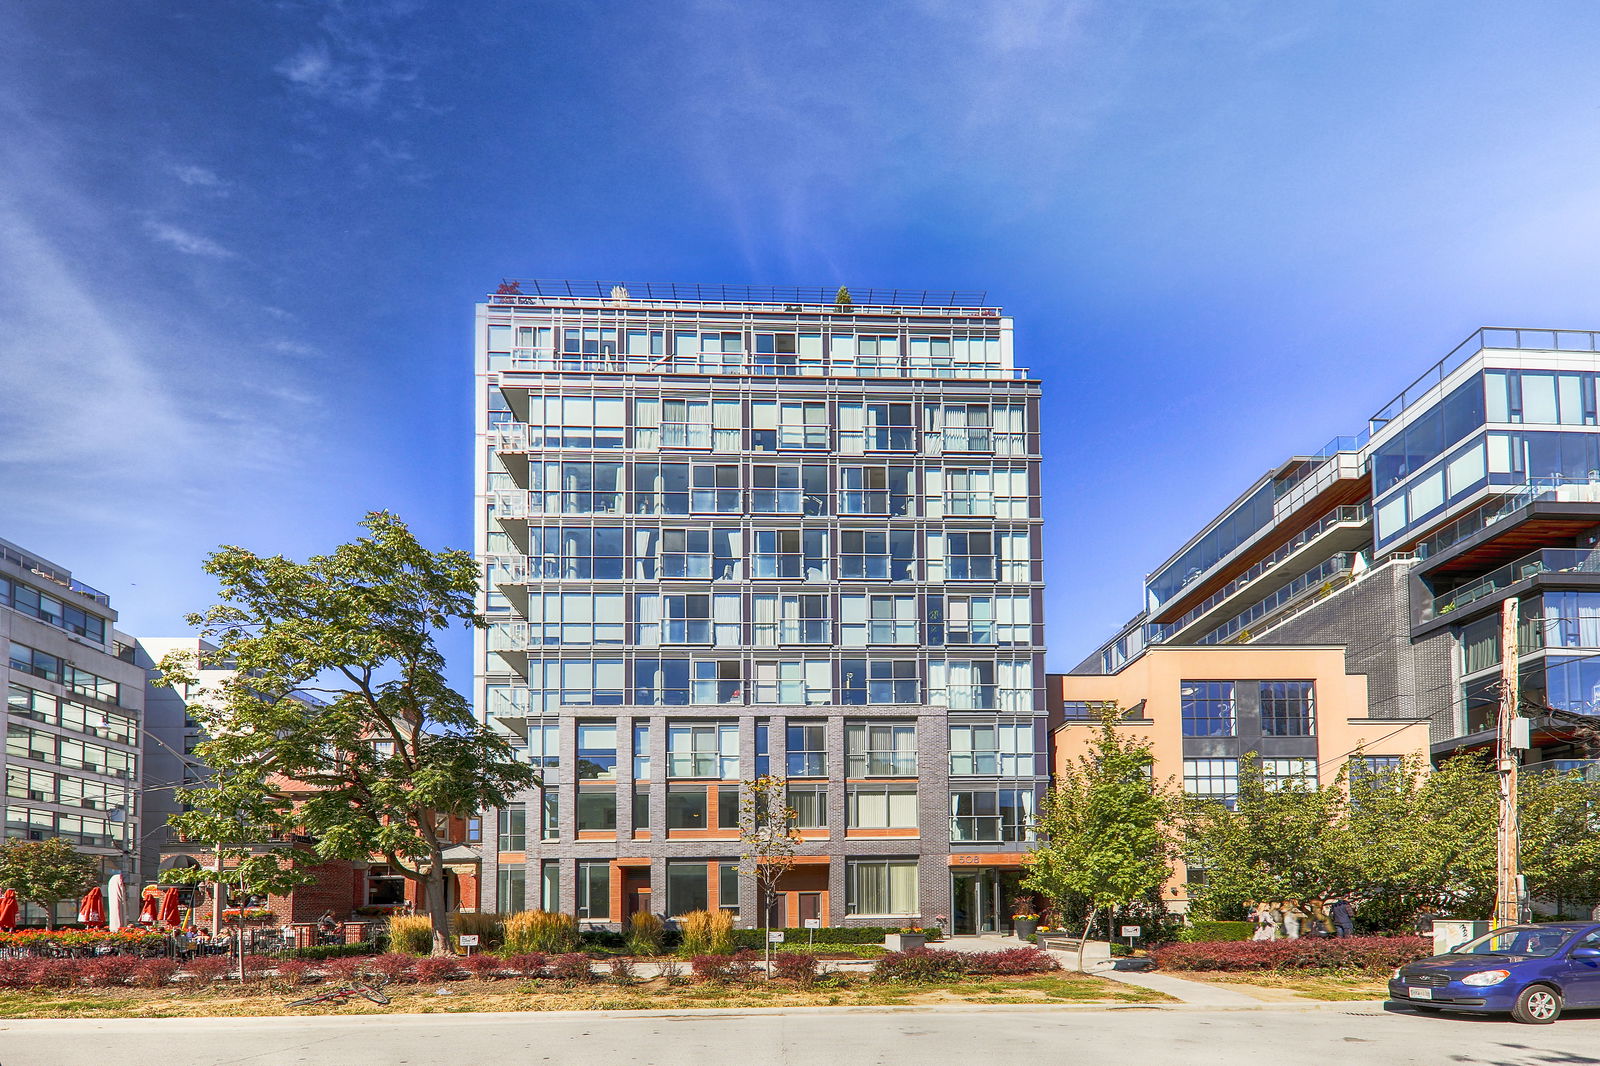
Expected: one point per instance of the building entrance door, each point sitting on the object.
(810, 906)
(973, 892)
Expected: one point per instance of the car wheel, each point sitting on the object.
(1537, 1005)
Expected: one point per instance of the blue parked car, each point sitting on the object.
(1532, 972)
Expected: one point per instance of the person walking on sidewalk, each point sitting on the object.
(1344, 923)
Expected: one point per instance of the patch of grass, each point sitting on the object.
(1327, 987)
(548, 995)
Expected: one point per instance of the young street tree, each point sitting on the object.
(767, 843)
(1103, 826)
(338, 723)
(45, 872)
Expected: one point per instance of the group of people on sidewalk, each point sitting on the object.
(1292, 919)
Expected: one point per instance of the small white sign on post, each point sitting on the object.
(469, 940)
(812, 923)
(1132, 931)
(775, 937)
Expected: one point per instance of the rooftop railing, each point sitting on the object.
(539, 290)
(1552, 340)
(744, 364)
(51, 574)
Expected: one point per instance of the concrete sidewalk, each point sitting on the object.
(1195, 993)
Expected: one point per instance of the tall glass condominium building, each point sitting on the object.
(729, 533)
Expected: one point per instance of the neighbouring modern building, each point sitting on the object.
(1479, 482)
(732, 532)
(74, 710)
(1300, 710)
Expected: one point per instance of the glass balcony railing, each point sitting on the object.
(1546, 561)
(1541, 340)
(1339, 564)
(1353, 515)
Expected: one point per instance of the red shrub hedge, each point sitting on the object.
(1369, 954)
(436, 968)
(207, 968)
(571, 967)
(155, 973)
(798, 966)
(110, 971)
(484, 967)
(528, 964)
(933, 964)
(345, 971)
(390, 967)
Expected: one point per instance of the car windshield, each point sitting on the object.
(1520, 940)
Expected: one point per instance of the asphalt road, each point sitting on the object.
(1349, 1033)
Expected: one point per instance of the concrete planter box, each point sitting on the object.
(905, 941)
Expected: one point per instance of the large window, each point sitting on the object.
(980, 620)
(728, 886)
(865, 620)
(703, 749)
(43, 707)
(882, 888)
(876, 427)
(550, 885)
(881, 807)
(1207, 708)
(800, 424)
(701, 554)
(686, 887)
(878, 555)
(51, 668)
(594, 890)
(876, 490)
(557, 618)
(554, 683)
(798, 619)
(810, 806)
(789, 489)
(795, 554)
(992, 750)
(959, 556)
(513, 834)
(878, 681)
(575, 488)
(597, 750)
(880, 749)
(597, 808)
(678, 682)
(1216, 779)
(794, 682)
(575, 552)
(686, 807)
(807, 744)
(991, 815)
(47, 608)
(550, 814)
(511, 889)
(687, 618)
(1288, 709)
(1280, 774)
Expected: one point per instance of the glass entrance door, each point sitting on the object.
(976, 895)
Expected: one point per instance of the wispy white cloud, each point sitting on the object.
(198, 177)
(356, 61)
(185, 241)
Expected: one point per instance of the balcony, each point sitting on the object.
(1303, 590)
(1589, 769)
(1343, 528)
(1546, 561)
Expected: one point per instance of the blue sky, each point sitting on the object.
(240, 241)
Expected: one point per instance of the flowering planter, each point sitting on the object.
(1026, 927)
(904, 941)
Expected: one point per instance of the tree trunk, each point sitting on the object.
(1088, 924)
(49, 914)
(438, 906)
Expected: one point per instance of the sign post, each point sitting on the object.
(1131, 931)
(469, 940)
(812, 925)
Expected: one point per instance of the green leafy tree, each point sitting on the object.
(45, 872)
(1103, 827)
(1281, 841)
(1560, 836)
(384, 751)
(767, 842)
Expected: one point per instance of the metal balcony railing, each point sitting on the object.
(1547, 560)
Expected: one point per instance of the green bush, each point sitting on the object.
(1205, 932)
(756, 939)
(333, 951)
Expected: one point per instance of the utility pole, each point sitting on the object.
(1507, 900)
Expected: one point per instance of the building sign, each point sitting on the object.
(1132, 931)
(775, 937)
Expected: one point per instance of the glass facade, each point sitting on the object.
(711, 530)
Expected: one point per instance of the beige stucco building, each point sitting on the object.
(1203, 709)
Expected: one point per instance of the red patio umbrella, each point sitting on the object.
(92, 911)
(150, 904)
(169, 908)
(8, 910)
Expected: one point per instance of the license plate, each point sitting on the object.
(1420, 993)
